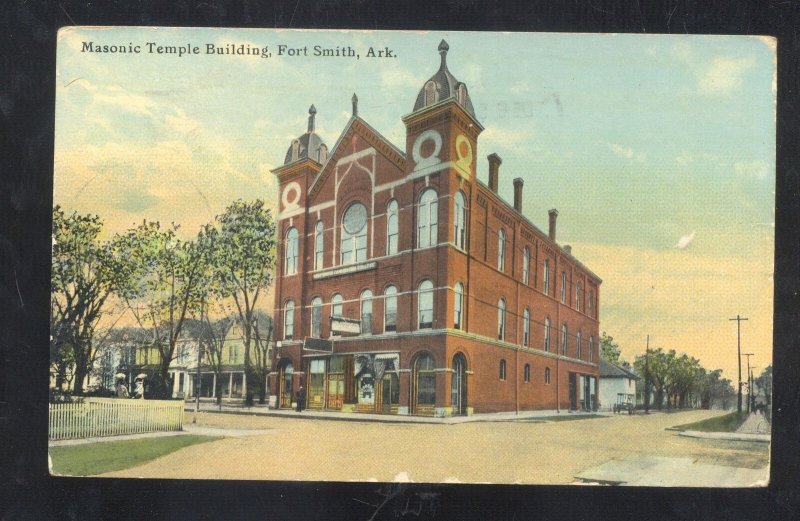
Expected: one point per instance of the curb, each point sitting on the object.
(727, 436)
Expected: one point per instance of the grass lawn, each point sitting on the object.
(96, 458)
(725, 423)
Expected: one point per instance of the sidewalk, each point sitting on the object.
(262, 410)
(188, 428)
(659, 471)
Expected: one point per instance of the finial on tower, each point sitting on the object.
(443, 48)
(311, 113)
(355, 105)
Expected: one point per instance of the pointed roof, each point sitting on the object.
(446, 84)
(309, 143)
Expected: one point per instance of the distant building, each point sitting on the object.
(616, 384)
(405, 285)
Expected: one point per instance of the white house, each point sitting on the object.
(616, 383)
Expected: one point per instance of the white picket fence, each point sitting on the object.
(113, 416)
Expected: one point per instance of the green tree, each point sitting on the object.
(169, 276)
(241, 246)
(85, 272)
(609, 349)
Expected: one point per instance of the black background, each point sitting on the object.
(28, 49)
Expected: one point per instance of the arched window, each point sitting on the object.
(546, 277)
(428, 219)
(366, 312)
(591, 303)
(526, 374)
(461, 94)
(391, 227)
(430, 93)
(547, 375)
(425, 379)
(323, 153)
(460, 221)
(319, 246)
(591, 348)
(526, 326)
(288, 320)
(563, 339)
(526, 265)
(336, 305)
(316, 317)
(354, 234)
(579, 347)
(501, 250)
(425, 305)
(290, 263)
(295, 150)
(502, 369)
(563, 287)
(501, 319)
(578, 296)
(458, 305)
(547, 334)
(390, 309)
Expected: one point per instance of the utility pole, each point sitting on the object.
(749, 388)
(752, 394)
(647, 377)
(738, 320)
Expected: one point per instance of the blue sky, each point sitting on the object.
(658, 151)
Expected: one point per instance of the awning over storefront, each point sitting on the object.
(377, 363)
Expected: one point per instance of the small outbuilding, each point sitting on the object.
(617, 385)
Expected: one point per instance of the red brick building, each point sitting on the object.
(405, 285)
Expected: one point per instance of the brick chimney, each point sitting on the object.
(494, 170)
(552, 231)
(518, 194)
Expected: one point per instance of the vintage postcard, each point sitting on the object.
(439, 257)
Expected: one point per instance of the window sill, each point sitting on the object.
(345, 270)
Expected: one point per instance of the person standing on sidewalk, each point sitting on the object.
(301, 398)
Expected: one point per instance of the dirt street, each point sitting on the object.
(480, 452)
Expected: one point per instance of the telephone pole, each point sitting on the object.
(738, 320)
(749, 388)
(647, 377)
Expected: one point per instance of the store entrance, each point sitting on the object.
(458, 388)
(573, 391)
(285, 375)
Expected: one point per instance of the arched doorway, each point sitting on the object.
(424, 378)
(458, 386)
(285, 375)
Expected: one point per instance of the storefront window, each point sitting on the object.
(316, 383)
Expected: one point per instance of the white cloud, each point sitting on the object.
(181, 122)
(627, 152)
(685, 241)
(757, 168)
(724, 76)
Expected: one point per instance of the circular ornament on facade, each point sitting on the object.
(355, 218)
(416, 151)
(464, 154)
(291, 196)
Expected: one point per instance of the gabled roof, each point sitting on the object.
(357, 124)
(609, 370)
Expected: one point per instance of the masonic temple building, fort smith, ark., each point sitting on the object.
(405, 285)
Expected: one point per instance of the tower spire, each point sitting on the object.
(312, 111)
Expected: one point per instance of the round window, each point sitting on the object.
(355, 218)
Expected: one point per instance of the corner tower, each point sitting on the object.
(442, 131)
